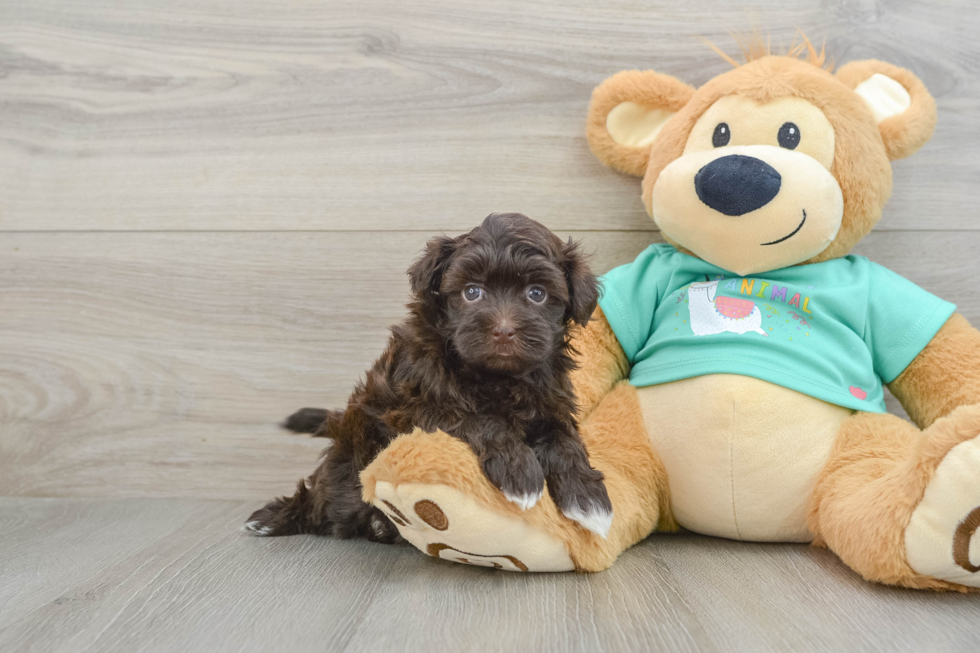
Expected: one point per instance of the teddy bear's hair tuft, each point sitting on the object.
(755, 46)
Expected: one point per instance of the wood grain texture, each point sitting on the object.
(221, 115)
(158, 364)
(177, 575)
(206, 211)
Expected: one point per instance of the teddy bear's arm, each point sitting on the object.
(944, 376)
(601, 362)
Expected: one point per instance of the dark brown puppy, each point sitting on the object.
(484, 356)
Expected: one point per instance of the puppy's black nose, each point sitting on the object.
(503, 333)
(736, 184)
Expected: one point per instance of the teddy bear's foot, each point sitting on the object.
(431, 486)
(447, 524)
(941, 539)
(902, 506)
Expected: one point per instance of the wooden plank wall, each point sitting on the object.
(207, 206)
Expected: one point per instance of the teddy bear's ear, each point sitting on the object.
(627, 112)
(899, 101)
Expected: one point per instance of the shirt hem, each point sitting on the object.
(690, 369)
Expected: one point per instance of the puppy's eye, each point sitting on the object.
(536, 294)
(722, 135)
(472, 293)
(788, 136)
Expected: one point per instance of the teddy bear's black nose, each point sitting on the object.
(736, 184)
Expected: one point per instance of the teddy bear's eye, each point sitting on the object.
(788, 136)
(722, 135)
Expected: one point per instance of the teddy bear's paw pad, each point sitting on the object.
(942, 538)
(446, 523)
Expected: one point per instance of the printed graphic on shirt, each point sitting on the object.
(711, 315)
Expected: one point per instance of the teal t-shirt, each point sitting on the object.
(835, 330)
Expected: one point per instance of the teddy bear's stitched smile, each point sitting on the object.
(791, 234)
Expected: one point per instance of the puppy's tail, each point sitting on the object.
(316, 421)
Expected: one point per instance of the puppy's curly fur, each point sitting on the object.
(484, 356)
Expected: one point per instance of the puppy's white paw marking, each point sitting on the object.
(524, 501)
(596, 519)
(257, 527)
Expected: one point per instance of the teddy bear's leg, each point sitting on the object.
(902, 506)
(430, 485)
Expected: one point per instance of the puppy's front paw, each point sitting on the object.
(517, 473)
(582, 497)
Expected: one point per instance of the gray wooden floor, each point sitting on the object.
(175, 575)
(206, 211)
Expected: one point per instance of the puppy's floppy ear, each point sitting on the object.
(583, 287)
(899, 102)
(425, 274)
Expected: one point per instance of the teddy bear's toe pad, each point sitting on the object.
(942, 537)
(445, 523)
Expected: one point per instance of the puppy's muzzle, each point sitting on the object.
(503, 332)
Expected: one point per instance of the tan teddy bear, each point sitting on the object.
(732, 380)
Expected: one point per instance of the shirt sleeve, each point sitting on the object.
(902, 320)
(630, 294)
